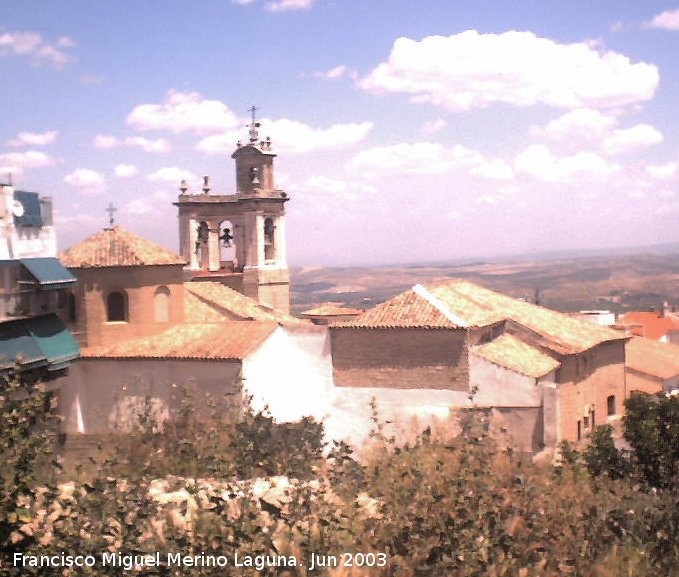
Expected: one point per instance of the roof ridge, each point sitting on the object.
(421, 291)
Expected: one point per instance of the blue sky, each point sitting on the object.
(405, 131)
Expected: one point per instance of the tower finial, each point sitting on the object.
(254, 125)
(111, 211)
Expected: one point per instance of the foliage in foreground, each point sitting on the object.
(454, 507)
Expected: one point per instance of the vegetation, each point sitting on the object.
(438, 506)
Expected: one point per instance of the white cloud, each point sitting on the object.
(184, 112)
(106, 142)
(336, 187)
(333, 73)
(668, 20)
(172, 175)
(243, 1)
(285, 5)
(139, 206)
(33, 138)
(33, 46)
(591, 128)
(87, 180)
(125, 170)
(16, 163)
(494, 170)
(580, 125)
(471, 70)
(292, 136)
(662, 171)
(539, 162)
(432, 126)
(103, 141)
(422, 158)
(630, 139)
(148, 144)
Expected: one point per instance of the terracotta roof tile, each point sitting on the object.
(331, 310)
(117, 247)
(512, 353)
(456, 304)
(652, 357)
(213, 341)
(648, 324)
(214, 302)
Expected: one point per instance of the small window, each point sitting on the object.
(585, 422)
(161, 304)
(72, 315)
(579, 430)
(610, 404)
(269, 240)
(116, 307)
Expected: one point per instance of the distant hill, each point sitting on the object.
(634, 279)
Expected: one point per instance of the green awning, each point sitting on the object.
(17, 345)
(37, 342)
(48, 273)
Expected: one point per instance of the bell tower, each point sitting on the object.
(248, 225)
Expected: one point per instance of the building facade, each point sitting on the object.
(239, 239)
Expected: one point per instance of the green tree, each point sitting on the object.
(651, 426)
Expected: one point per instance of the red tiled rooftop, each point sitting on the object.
(652, 357)
(208, 301)
(648, 324)
(460, 304)
(213, 341)
(117, 247)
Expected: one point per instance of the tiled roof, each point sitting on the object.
(116, 247)
(456, 304)
(407, 310)
(652, 357)
(214, 302)
(331, 310)
(213, 341)
(510, 352)
(648, 324)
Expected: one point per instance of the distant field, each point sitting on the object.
(616, 282)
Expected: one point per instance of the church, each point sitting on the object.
(213, 320)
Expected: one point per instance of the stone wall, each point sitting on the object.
(139, 283)
(400, 358)
(584, 383)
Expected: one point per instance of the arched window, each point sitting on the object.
(161, 304)
(116, 307)
(610, 402)
(269, 240)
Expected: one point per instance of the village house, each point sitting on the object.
(659, 325)
(651, 366)
(35, 296)
(548, 376)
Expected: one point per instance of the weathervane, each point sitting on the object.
(254, 125)
(111, 211)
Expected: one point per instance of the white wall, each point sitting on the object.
(501, 387)
(95, 393)
(405, 412)
(291, 372)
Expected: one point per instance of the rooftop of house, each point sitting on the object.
(331, 310)
(462, 304)
(117, 247)
(209, 302)
(652, 357)
(512, 353)
(650, 324)
(206, 341)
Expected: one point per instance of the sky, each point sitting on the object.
(406, 131)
